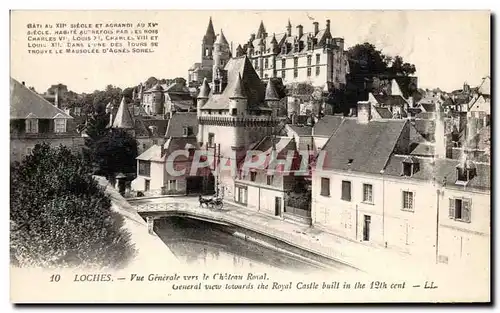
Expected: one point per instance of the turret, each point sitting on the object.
(261, 33)
(289, 29)
(272, 98)
(274, 44)
(250, 48)
(123, 119)
(202, 96)
(239, 51)
(237, 99)
(300, 31)
(316, 28)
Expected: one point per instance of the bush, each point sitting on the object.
(61, 217)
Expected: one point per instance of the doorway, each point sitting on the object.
(366, 227)
(277, 206)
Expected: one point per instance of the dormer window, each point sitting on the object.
(59, 125)
(465, 172)
(31, 125)
(410, 166)
(187, 131)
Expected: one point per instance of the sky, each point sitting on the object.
(448, 48)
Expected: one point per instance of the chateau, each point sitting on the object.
(316, 57)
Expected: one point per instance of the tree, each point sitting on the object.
(116, 152)
(96, 129)
(60, 216)
(150, 82)
(367, 62)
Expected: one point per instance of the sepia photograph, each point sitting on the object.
(210, 156)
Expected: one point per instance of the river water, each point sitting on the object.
(206, 247)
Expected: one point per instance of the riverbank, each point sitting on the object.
(377, 262)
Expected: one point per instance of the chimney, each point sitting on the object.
(300, 30)
(364, 112)
(56, 98)
(328, 25)
(316, 28)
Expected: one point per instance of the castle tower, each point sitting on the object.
(239, 51)
(272, 99)
(222, 54)
(200, 102)
(289, 29)
(238, 99)
(261, 33)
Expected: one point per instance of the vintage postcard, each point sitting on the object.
(250, 156)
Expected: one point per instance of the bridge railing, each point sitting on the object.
(295, 239)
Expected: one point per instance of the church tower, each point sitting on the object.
(207, 46)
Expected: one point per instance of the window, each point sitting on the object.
(270, 179)
(309, 45)
(147, 185)
(256, 64)
(211, 139)
(408, 201)
(187, 131)
(144, 168)
(253, 176)
(309, 60)
(295, 62)
(59, 125)
(283, 63)
(460, 209)
(143, 146)
(407, 169)
(283, 49)
(234, 111)
(172, 185)
(317, 70)
(367, 193)
(325, 186)
(318, 58)
(32, 125)
(266, 63)
(465, 174)
(295, 73)
(346, 190)
(308, 71)
(283, 74)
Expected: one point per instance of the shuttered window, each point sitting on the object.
(346, 190)
(460, 209)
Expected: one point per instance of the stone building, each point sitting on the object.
(237, 112)
(204, 69)
(315, 57)
(371, 188)
(34, 120)
(162, 100)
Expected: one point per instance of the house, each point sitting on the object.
(154, 174)
(371, 189)
(34, 120)
(162, 99)
(277, 190)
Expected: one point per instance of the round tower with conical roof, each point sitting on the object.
(238, 99)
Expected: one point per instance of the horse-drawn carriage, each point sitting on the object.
(213, 202)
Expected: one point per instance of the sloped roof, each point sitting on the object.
(383, 112)
(176, 124)
(262, 29)
(151, 154)
(327, 125)
(123, 117)
(441, 170)
(362, 147)
(221, 39)
(390, 100)
(301, 130)
(251, 84)
(176, 88)
(204, 90)
(271, 93)
(160, 124)
(238, 91)
(24, 102)
(209, 37)
(485, 87)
